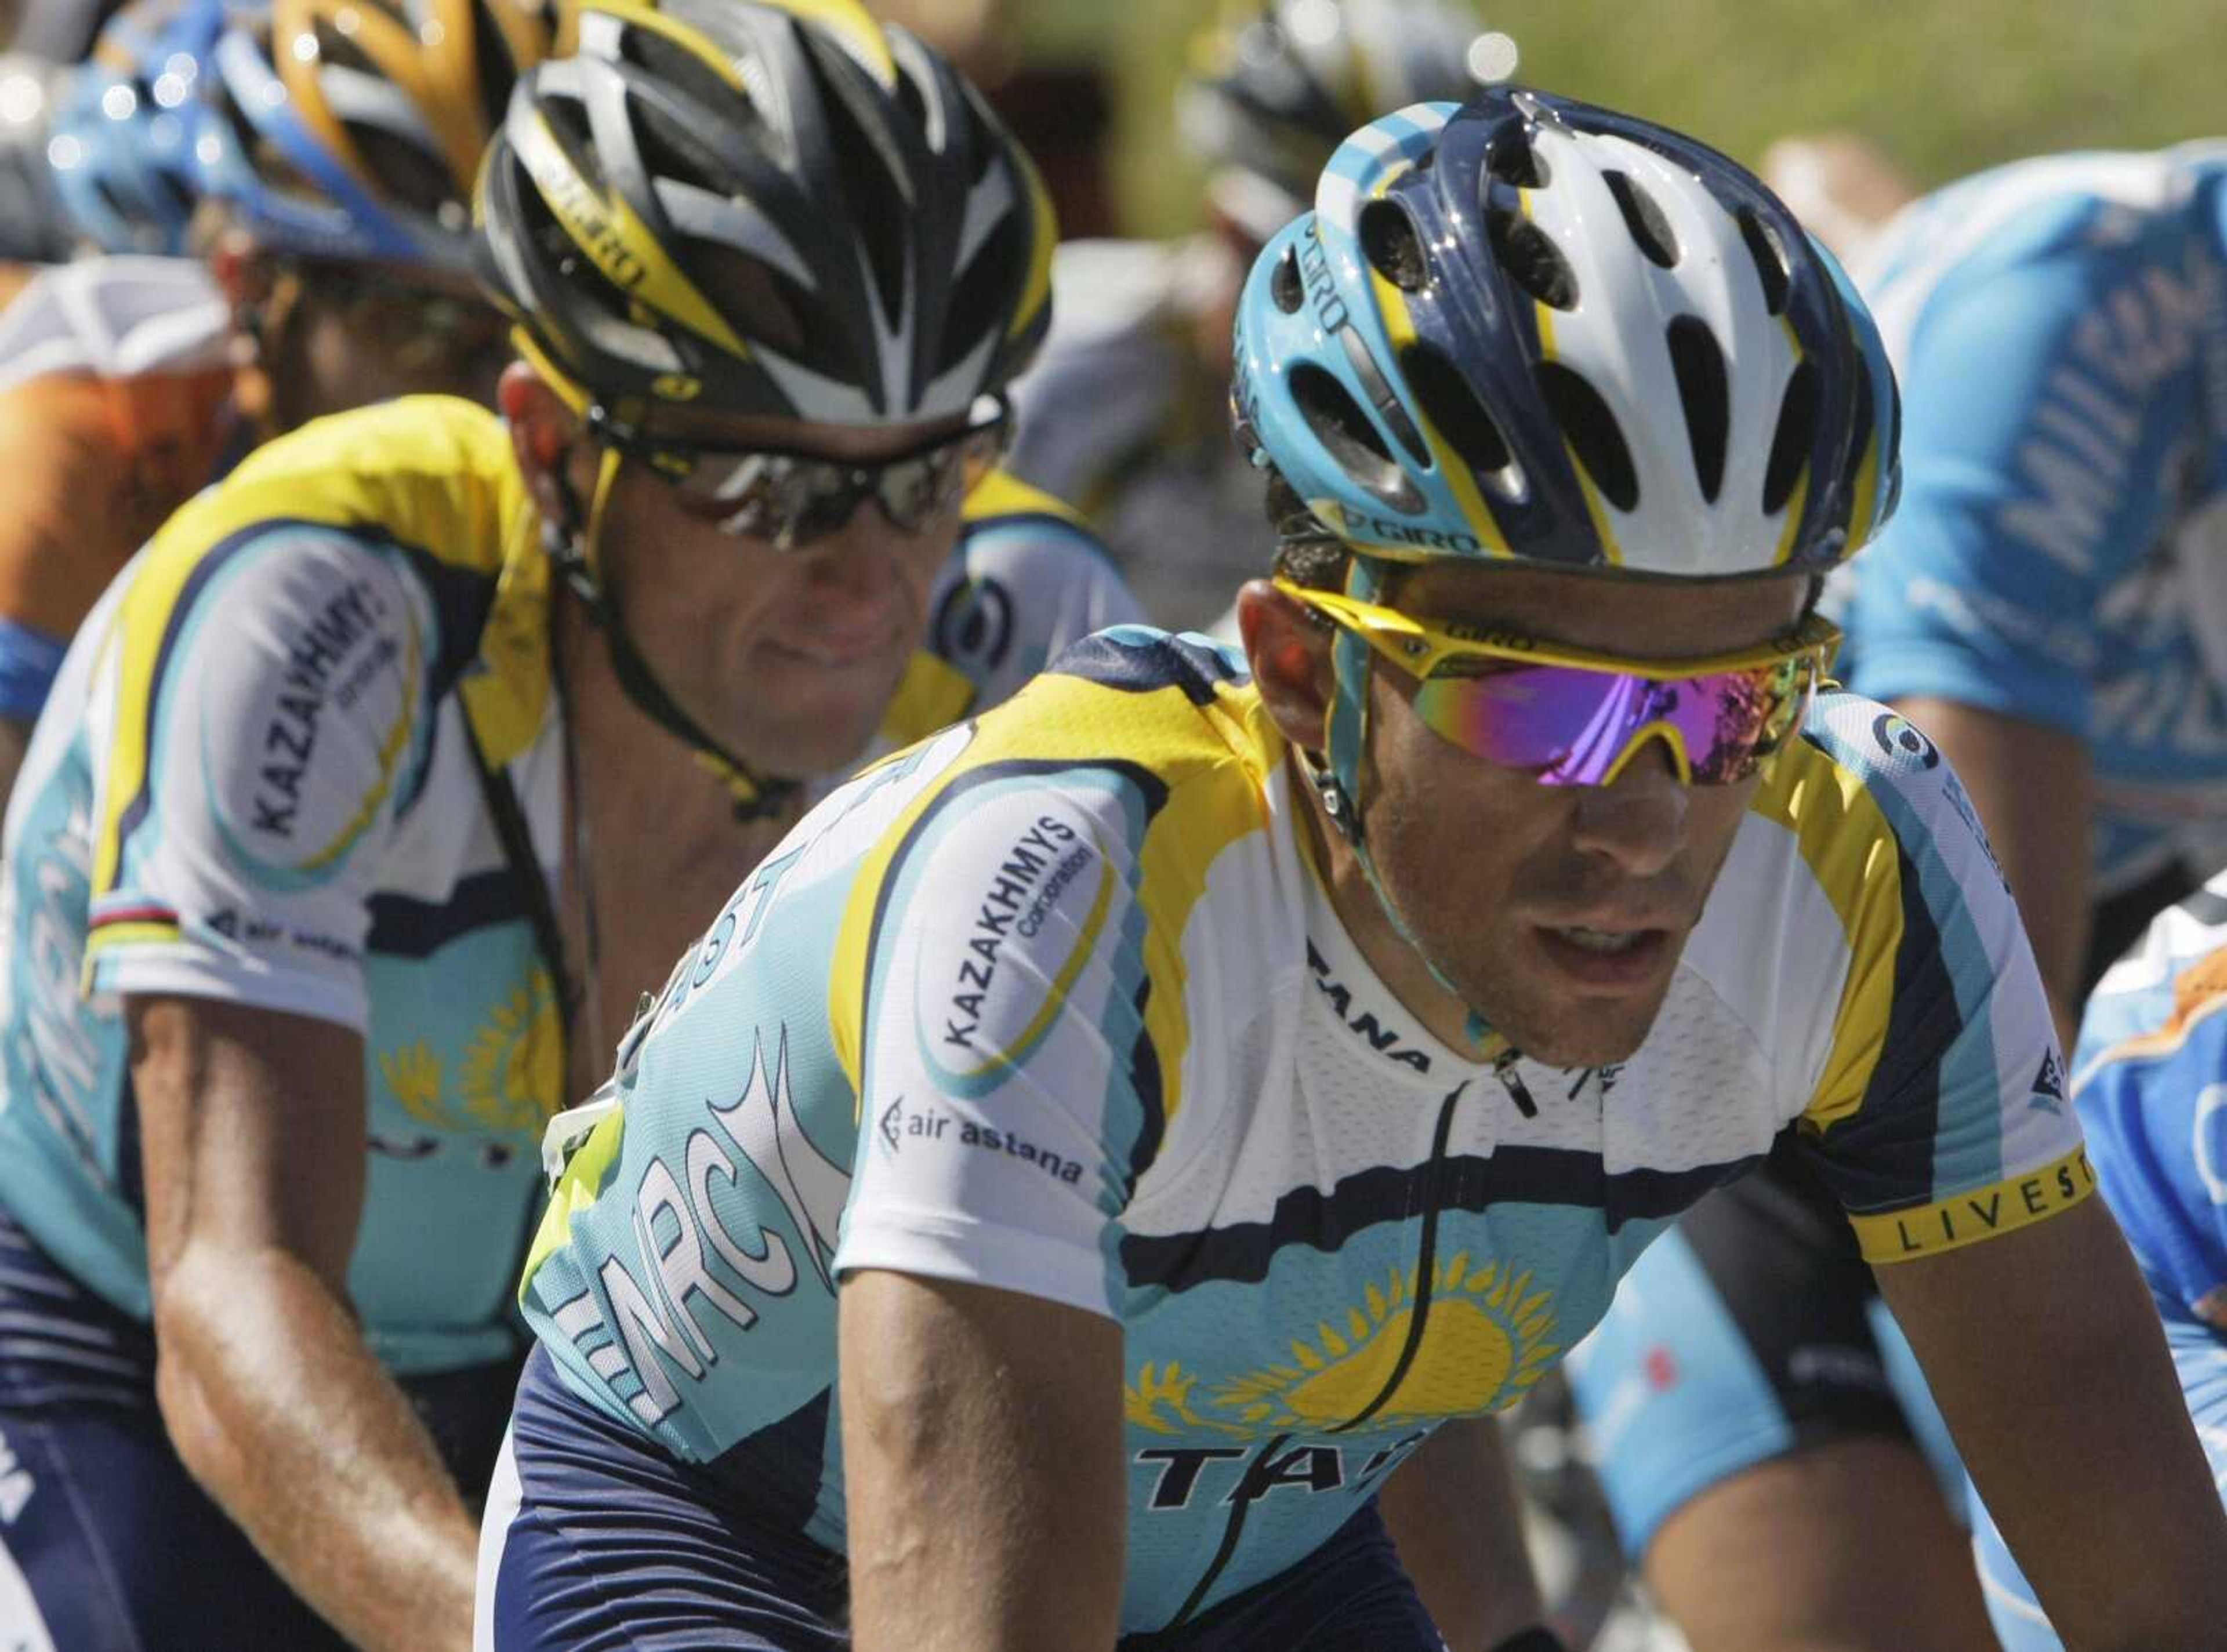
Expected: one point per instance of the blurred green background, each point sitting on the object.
(1942, 86)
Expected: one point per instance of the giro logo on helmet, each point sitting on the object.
(571, 198)
(1321, 284)
(1360, 524)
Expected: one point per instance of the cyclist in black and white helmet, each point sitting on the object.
(1126, 410)
(367, 824)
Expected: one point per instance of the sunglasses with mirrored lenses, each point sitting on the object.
(789, 498)
(1572, 717)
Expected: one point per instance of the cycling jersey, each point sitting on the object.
(1122, 415)
(1057, 1003)
(115, 405)
(263, 784)
(2060, 555)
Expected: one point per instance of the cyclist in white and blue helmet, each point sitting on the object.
(1115, 1138)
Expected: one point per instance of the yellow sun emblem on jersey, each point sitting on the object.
(513, 1075)
(1486, 1339)
(413, 1074)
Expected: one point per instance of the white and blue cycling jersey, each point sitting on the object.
(2059, 331)
(265, 780)
(1057, 1003)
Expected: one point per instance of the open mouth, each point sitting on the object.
(1609, 960)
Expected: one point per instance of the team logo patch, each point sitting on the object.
(988, 995)
(312, 753)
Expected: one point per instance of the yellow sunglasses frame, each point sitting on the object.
(1420, 649)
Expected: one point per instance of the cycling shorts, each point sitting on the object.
(107, 1544)
(596, 1540)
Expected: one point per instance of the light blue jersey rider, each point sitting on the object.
(2060, 330)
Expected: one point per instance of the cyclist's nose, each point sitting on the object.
(1638, 820)
(858, 572)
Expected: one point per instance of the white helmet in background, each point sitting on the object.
(1272, 90)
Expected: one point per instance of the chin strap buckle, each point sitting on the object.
(1336, 802)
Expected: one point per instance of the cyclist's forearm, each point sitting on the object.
(280, 1411)
(1454, 1514)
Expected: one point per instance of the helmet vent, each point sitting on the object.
(1644, 218)
(1770, 256)
(413, 178)
(1790, 448)
(1389, 242)
(679, 71)
(1284, 288)
(1590, 430)
(492, 64)
(1533, 261)
(1350, 439)
(1447, 401)
(986, 291)
(1381, 396)
(874, 198)
(1513, 161)
(1700, 366)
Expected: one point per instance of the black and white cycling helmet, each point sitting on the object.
(761, 208)
(1275, 89)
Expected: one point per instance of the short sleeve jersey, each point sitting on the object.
(1056, 1002)
(262, 782)
(2060, 554)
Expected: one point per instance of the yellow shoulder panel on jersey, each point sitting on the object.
(431, 472)
(933, 693)
(1214, 759)
(1850, 849)
(1002, 494)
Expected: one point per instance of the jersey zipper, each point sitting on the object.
(1426, 1259)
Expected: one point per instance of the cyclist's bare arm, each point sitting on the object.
(252, 1130)
(1453, 1514)
(2047, 1358)
(982, 1468)
(2041, 838)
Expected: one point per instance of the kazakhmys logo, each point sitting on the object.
(986, 996)
(1488, 1336)
(293, 788)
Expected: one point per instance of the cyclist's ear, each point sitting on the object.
(543, 434)
(1290, 654)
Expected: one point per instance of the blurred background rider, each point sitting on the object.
(1126, 414)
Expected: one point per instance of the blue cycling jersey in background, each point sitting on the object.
(2150, 1083)
(2057, 329)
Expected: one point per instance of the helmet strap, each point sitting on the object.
(571, 544)
(1338, 783)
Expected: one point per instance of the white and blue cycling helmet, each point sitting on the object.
(1525, 328)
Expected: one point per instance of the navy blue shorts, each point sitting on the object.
(597, 1542)
(107, 1544)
